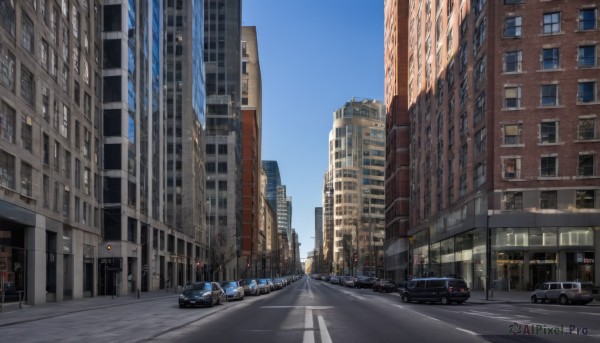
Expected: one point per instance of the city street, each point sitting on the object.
(310, 311)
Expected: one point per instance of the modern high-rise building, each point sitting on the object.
(328, 220)
(253, 232)
(318, 248)
(222, 55)
(356, 164)
(273, 181)
(184, 106)
(503, 103)
(98, 207)
(284, 227)
(397, 157)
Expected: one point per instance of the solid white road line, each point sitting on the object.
(467, 331)
(325, 338)
(308, 319)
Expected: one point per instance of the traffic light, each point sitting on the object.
(108, 247)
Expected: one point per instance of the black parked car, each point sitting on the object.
(386, 286)
(444, 290)
(201, 293)
(364, 282)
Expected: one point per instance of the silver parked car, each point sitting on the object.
(564, 292)
(233, 290)
(250, 287)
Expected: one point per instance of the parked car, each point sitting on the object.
(264, 286)
(348, 281)
(386, 286)
(336, 280)
(364, 282)
(564, 292)
(201, 293)
(278, 283)
(250, 287)
(233, 290)
(444, 290)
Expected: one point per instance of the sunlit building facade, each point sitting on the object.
(504, 174)
(357, 164)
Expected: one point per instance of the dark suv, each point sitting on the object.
(444, 290)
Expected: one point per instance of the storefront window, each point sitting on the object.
(420, 260)
(510, 237)
(580, 266)
(542, 268)
(576, 236)
(543, 237)
(434, 261)
(447, 257)
(508, 273)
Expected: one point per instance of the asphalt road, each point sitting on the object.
(315, 311)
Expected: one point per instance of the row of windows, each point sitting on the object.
(549, 132)
(8, 179)
(584, 199)
(548, 166)
(586, 93)
(551, 23)
(550, 58)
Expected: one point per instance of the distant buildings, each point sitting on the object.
(503, 143)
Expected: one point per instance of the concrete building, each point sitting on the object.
(397, 157)
(222, 52)
(504, 174)
(356, 164)
(50, 143)
(253, 232)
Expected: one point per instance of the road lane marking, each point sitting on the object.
(421, 314)
(309, 334)
(325, 338)
(307, 307)
(308, 319)
(467, 331)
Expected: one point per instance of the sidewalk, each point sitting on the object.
(500, 297)
(12, 314)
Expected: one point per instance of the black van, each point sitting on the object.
(445, 290)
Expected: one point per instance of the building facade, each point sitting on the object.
(357, 164)
(184, 106)
(328, 227)
(253, 227)
(98, 208)
(222, 54)
(50, 161)
(397, 141)
(504, 139)
(318, 248)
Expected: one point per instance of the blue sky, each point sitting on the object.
(315, 55)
